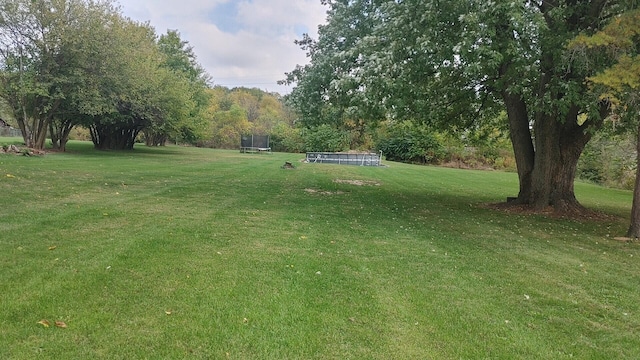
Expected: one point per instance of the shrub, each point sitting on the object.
(409, 142)
(325, 138)
(80, 133)
(609, 160)
(286, 139)
(590, 168)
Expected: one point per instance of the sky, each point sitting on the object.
(246, 43)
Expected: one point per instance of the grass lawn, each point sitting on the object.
(196, 253)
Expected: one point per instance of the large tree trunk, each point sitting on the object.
(111, 137)
(634, 227)
(59, 131)
(558, 148)
(34, 134)
(521, 141)
(547, 172)
(547, 158)
(153, 138)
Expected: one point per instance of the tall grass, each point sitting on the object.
(195, 253)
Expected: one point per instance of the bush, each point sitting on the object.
(286, 139)
(590, 169)
(609, 160)
(80, 133)
(414, 143)
(325, 138)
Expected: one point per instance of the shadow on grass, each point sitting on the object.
(86, 148)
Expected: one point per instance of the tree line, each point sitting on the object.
(80, 64)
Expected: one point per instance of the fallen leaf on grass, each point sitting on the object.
(168, 312)
(10, 176)
(53, 247)
(61, 324)
(44, 322)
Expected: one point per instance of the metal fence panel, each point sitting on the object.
(361, 159)
(10, 132)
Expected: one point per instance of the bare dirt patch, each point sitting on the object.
(357, 182)
(322, 192)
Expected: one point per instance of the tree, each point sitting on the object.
(141, 92)
(619, 84)
(186, 121)
(129, 88)
(86, 50)
(39, 58)
(458, 62)
(180, 57)
(71, 62)
(327, 89)
(228, 126)
(263, 110)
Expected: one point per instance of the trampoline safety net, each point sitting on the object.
(254, 143)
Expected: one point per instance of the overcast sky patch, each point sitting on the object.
(225, 17)
(239, 42)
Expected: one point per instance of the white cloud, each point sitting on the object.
(252, 43)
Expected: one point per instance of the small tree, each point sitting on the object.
(619, 84)
(184, 94)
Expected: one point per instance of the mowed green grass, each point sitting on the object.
(197, 253)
